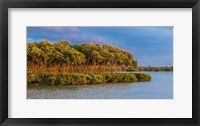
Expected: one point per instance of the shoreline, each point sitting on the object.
(52, 79)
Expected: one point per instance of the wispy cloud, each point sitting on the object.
(150, 45)
(34, 40)
(78, 37)
(86, 38)
(98, 39)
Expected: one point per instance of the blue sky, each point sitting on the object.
(150, 45)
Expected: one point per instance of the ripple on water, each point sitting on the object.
(160, 87)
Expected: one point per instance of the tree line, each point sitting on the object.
(149, 68)
(63, 56)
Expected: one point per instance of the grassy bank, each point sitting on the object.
(81, 79)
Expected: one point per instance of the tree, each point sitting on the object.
(77, 47)
(134, 63)
(62, 54)
(35, 55)
(54, 55)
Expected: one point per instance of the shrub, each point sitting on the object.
(120, 77)
(143, 77)
(60, 79)
(114, 78)
(129, 78)
(89, 79)
(46, 79)
(96, 79)
(100, 79)
(69, 79)
(32, 78)
(107, 77)
(80, 78)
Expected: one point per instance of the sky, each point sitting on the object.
(151, 46)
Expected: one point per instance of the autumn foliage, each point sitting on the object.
(85, 58)
(62, 64)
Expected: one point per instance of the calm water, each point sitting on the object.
(160, 87)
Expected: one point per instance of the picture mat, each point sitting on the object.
(179, 107)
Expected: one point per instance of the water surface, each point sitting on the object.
(160, 87)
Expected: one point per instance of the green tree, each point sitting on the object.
(35, 55)
(134, 63)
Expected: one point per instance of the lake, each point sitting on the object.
(160, 87)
